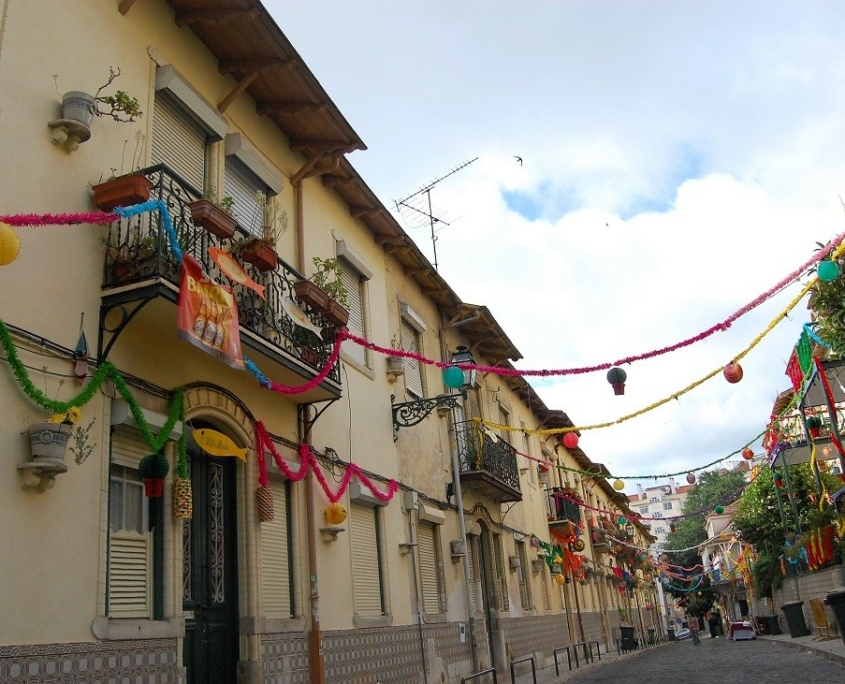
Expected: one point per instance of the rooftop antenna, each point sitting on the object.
(429, 214)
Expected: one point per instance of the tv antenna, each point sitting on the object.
(419, 202)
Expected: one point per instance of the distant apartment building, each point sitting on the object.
(657, 505)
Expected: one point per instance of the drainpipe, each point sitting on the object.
(316, 662)
(307, 171)
(577, 604)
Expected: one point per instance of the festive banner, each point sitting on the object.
(208, 314)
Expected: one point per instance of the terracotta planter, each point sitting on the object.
(213, 218)
(311, 295)
(261, 255)
(123, 191)
(336, 313)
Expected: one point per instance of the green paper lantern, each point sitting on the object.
(453, 377)
(154, 467)
(621, 520)
(814, 422)
(828, 271)
(719, 510)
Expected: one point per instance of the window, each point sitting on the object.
(432, 588)
(660, 530)
(504, 419)
(412, 342)
(130, 566)
(500, 580)
(474, 554)
(276, 555)
(178, 140)
(243, 187)
(654, 499)
(644, 509)
(526, 449)
(367, 578)
(658, 514)
(667, 506)
(355, 302)
(544, 588)
(522, 576)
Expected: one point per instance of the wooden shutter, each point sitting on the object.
(275, 557)
(242, 185)
(413, 374)
(366, 575)
(178, 141)
(499, 569)
(427, 546)
(472, 550)
(130, 556)
(351, 278)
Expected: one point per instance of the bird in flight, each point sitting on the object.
(519, 159)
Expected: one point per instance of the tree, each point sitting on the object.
(712, 489)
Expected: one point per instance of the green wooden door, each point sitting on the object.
(210, 583)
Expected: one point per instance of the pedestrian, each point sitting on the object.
(713, 624)
(694, 630)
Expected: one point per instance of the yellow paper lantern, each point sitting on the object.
(335, 514)
(619, 485)
(559, 579)
(10, 244)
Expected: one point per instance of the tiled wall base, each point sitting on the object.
(149, 661)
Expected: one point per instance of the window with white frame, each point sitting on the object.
(276, 555)
(130, 565)
(654, 499)
(657, 514)
(667, 506)
(356, 302)
(367, 579)
(643, 509)
(412, 330)
(428, 547)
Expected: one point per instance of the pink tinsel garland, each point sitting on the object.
(58, 219)
(309, 462)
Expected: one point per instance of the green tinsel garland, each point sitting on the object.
(106, 371)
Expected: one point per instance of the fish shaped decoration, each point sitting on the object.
(217, 444)
(233, 270)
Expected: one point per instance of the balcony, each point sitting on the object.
(141, 269)
(488, 464)
(563, 512)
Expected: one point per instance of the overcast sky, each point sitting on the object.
(678, 160)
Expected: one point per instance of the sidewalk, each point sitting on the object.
(833, 649)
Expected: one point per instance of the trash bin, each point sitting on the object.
(773, 623)
(670, 634)
(651, 639)
(629, 641)
(795, 619)
(836, 600)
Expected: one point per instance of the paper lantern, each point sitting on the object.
(814, 426)
(335, 514)
(570, 440)
(672, 527)
(691, 478)
(617, 377)
(453, 377)
(559, 579)
(621, 520)
(778, 482)
(747, 453)
(578, 545)
(732, 372)
(10, 244)
(153, 469)
(828, 271)
(618, 485)
(183, 498)
(719, 510)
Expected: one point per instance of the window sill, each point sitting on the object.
(265, 625)
(434, 618)
(364, 622)
(116, 629)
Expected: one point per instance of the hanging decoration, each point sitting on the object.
(153, 469)
(10, 244)
(617, 377)
(232, 269)
(747, 453)
(828, 271)
(217, 444)
(691, 478)
(453, 377)
(618, 485)
(814, 426)
(183, 498)
(733, 372)
(264, 504)
(718, 510)
(81, 355)
(335, 514)
(570, 440)
(622, 520)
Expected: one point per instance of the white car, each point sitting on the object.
(682, 634)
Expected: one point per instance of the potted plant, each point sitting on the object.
(216, 217)
(327, 281)
(121, 190)
(261, 251)
(48, 440)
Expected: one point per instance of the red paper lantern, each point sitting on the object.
(779, 483)
(733, 372)
(747, 453)
(691, 478)
(570, 440)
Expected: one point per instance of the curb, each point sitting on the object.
(807, 648)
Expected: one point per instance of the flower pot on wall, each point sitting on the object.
(213, 218)
(48, 441)
(78, 106)
(123, 191)
(336, 313)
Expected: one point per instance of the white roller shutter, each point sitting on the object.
(128, 447)
(178, 141)
(365, 561)
(413, 374)
(242, 186)
(351, 279)
(130, 558)
(275, 557)
(427, 546)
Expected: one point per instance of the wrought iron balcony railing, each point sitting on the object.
(488, 463)
(137, 250)
(562, 505)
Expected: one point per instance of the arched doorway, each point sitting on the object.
(210, 568)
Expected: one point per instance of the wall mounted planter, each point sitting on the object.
(123, 191)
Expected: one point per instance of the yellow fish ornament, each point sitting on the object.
(217, 444)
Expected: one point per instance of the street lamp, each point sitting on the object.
(410, 413)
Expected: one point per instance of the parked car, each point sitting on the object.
(682, 634)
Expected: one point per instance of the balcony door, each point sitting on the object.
(210, 582)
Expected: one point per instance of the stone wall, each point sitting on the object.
(804, 587)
